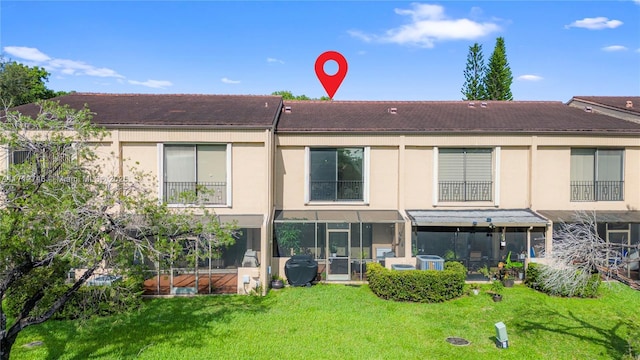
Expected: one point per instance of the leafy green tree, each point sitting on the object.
(21, 84)
(498, 78)
(473, 87)
(288, 95)
(59, 210)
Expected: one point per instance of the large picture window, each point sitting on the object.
(336, 174)
(597, 175)
(465, 175)
(195, 173)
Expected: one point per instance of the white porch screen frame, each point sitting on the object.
(435, 194)
(496, 183)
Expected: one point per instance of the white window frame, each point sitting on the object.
(496, 158)
(595, 178)
(229, 176)
(366, 164)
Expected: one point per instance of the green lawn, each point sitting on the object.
(348, 322)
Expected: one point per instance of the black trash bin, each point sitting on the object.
(301, 270)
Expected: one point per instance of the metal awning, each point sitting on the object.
(243, 221)
(602, 216)
(497, 217)
(339, 216)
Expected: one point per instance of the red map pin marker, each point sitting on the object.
(331, 83)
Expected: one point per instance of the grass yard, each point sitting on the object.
(348, 322)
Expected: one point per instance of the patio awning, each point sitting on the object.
(339, 216)
(606, 216)
(243, 221)
(497, 217)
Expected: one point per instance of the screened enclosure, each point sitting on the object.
(479, 238)
(342, 242)
(213, 270)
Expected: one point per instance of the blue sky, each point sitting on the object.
(395, 50)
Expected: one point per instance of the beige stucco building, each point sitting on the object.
(351, 182)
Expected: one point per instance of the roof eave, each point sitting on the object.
(622, 132)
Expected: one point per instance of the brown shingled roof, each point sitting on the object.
(616, 102)
(133, 110)
(446, 116)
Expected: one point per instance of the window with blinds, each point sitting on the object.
(465, 175)
(597, 175)
(195, 173)
(46, 160)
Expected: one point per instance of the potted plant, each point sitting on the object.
(277, 282)
(507, 280)
(360, 264)
(449, 255)
(475, 288)
(333, 250)
(514, 267)
(496, 290)
(485, 271)
(288, 236)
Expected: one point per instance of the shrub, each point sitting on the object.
(87, 301)
(532, 276)
(417, 285)
(535, 280)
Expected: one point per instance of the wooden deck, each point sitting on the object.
(221, 283)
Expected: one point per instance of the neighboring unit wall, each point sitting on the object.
(514, 177)
(249, 179)
(381, 178)
(552, 177)
(418, 177)
(249, 162)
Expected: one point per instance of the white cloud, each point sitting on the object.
(597, 23)
(274, 60)
(229, 81)
(429, 25)
(26, 53)
(614, 48)
(156, 84)
(529, 78)
(64, 66)
(73, 67)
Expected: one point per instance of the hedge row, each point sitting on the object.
(532, 280)
(417, 285)
(86, 302)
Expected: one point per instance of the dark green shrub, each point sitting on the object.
(532, 276)
(534, 281)
(88, 301)
(417, 285)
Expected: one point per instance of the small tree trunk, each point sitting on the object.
(6, 343)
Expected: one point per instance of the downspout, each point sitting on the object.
(270, 146)
(527, 250)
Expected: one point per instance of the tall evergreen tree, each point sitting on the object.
(498, 78)
(473, 87)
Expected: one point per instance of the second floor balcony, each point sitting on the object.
(465, 191)
(186, 192)
(597, 190)
(341, 190)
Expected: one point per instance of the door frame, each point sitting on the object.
(338, 277)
